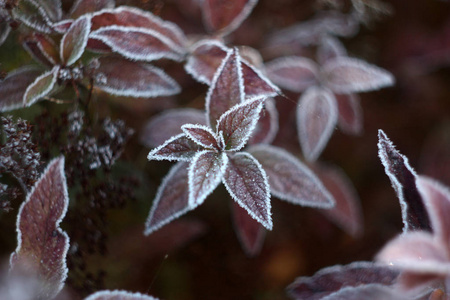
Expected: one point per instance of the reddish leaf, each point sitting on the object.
(225, 16)
(267, 127)
(30, 13)
(202, 135)
(75, 40)
(178, 147)
(118, 295)
(133, 79)
(289, 179)
(42, 245)
(346, 75)
(293, 73)
(250, 233)
(238, 123)
(13, 87)
(247, 184)
(329, 48)
(52, 8)
(40, 87)
(205, 173)
(403, 180)
(350, 118)
(227, 88)
(171, 120)
(316, 118)
(98, 46)
(62, 26)
(81, 7)
(256, 84)
(42, 49)
(172, 199)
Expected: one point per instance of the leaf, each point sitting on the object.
(62, 26)
(237, 124)
(42, 49)
(178, 148)
(202, 135)
(267, 127)
(403, 180)
(329, 48)
(30, 13)
(346, 75)
(53, 8)
(247, 184)
(75, 40)
(250, 233)
(225, 16)
(293, 73)
(133, 79)
(118, 295)
(13, 87)
(5, 29)
(138, 43)
(368, 292)
(226, 90)
(289, 179)
(256, 84)
(172, 199)
(350, 119)
(171, 120)
(332, 279)
(205, 173)
(81, 7)
(42, 245)
(40, 87)
(316, 118)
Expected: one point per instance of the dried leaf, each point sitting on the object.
(403, 180)
(81, 7)
(316, 118)
(346, 75)
(177, 148)
(237, 124)
(202, 135)
(133, 79)
(118, 295)
(40, 87)
(42, 49)
(42, 245)
(30, 13)
(247, 184)
(267, 127)
(291, 180)
(75, 40)
(350, 119)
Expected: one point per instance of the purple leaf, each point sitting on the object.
(350, 118)
(205, 173)
(42, 49)
(247, 184)
(172, 199)
(227, 88)
(267, 127)
(332, 279)
(81, 7)
(138, 43)
(293, 73)
(42, 245)
(329, 48)
(171, 120)
(256, 84)
(62, 26)
(178, 147)
(225, 16)
(316, 118)
(403, 180)
(13, 87)
(238, 123)
(368, 292)
(133, 79)
(30, 13)
(41, 87)
(118, 295)
(289, 179)
(202, 135)
(75, 40)
(250, 233)
(346, 75)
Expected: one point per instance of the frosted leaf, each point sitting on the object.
(250, 233)
(172, 199)
(75, 40)
(291, 180)
(53, 8)
(33, 15)
(267, 127)
(202, 135)
(134, 79)
(256, 84)
(118, 295)
(225, 16)
(5, 29)
(137, 43)
(81, 7)
(205, 173)
(329, 48)
(226, 90)
(62, 26)
(247, 184)
(42, 245)
(293, 73)
(316, 118)
(403, 180)
(98, 46)
(330, 280)
(368, 292)
(350, 119)
(41, 87)
(346, 75)
(178, 147)
(171, 120)
(13, 87)
(42, 49)
(237, 124)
